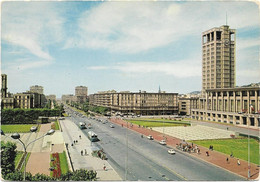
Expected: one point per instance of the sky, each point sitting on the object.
(125, 46)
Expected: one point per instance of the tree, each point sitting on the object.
(8, 154)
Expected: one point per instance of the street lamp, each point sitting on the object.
(16, 136)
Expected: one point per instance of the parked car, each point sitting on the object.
(150, 137)
(171, 151)
(33, 128)
(162, 142)
(112, 126)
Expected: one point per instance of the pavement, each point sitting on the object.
(71, 133)
(215, 158)
(197, 132)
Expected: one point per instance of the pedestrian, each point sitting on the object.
(207, 153)
(79, 136)
(231, 155)
(238, 162)
(74, 141)
(227, 128)
(227, 159)
(72, 144)
(86, 153)
(81, 152)
(104, 167)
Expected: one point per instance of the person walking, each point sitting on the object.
(81, 152)
(238, 162)
(227, 159)
(104, 167)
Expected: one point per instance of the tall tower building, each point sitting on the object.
(218, 58)
(4, 85)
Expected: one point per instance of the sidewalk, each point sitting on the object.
(71, 133)
(215, 158)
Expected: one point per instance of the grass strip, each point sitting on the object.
(239, 147)
(17, 128)
(63, 163)
(18, 156)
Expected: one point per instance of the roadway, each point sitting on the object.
(147, 160)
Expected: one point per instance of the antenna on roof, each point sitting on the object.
(226, 18)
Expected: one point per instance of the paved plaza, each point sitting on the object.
(197, 132)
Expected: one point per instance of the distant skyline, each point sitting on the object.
(125, 46)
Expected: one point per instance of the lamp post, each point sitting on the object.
(16, 136)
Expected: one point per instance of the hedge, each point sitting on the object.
(26, 116)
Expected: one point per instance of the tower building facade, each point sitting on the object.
(218, 58)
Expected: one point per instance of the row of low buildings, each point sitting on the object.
(81, 95)
(25, 100)
(139, 103)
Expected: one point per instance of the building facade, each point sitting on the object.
(36, 89)
(81, 94)
(239, 106)
(187, 103)
(140, 103)
(221, 101)
(68, 98)
(218, 58)
(7, 100)
(28, 100)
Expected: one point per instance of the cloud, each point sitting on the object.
(32, 26)
(133, 27)
(179, 69)
(25, 64)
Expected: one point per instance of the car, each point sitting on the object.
(171, 151)
(162, 142)
(112, 126)
(150, 137)
(33, 128)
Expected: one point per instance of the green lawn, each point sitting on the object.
(156, 124)
(19, 128)
(57, 127)
(18, 156)
(239, 147)
(63, 163)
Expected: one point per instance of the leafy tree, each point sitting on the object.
(8, 154)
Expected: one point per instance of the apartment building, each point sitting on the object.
(28, 100)
(69, 98)
(142, 103)
(36, 89)
(81, 94)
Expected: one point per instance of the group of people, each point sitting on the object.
(188, 148)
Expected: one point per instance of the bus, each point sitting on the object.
(82, 125)
(92, 136)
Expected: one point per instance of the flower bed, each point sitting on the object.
(55, 163)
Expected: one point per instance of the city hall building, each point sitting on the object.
(220, 100)
(139, 103)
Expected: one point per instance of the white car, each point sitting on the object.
(33, 128)
(150, 137)
(171, 151)
(162, 142)
(112, 126)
